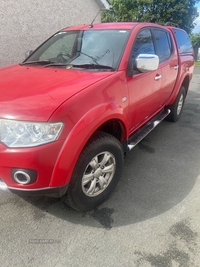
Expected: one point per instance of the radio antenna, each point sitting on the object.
(91, 24)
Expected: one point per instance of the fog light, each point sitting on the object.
(24, 176)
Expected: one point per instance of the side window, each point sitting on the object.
(183, 41)
(143, 44)
(163, 44)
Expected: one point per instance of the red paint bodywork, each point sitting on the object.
(83, 101)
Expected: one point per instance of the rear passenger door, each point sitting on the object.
(168, 57)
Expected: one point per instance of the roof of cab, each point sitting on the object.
(110, 25)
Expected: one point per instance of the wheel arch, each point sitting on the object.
(114, 127)
(110, 122)
(185, 83)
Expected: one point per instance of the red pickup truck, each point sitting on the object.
(73, 109)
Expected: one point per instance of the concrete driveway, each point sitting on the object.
(151, 219)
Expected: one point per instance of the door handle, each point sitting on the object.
(158, 77)
(176, 67)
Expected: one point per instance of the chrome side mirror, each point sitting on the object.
(147, 62)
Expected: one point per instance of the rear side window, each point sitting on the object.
(163, 44)
(183, 41)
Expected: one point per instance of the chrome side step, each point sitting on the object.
(146, 129)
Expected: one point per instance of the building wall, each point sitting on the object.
(27, 23)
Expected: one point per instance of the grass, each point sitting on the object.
(197, 63)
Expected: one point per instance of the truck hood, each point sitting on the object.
(33, 93)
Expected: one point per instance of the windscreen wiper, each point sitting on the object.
(95, 59)
(91, 66)
(37, 62)
(82, 66)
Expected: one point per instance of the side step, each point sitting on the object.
(146, 129)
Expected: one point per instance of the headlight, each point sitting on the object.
(27, 134)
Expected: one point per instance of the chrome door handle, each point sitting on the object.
(158, 77)
(176, 67)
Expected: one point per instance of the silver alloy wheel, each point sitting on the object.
(98, 174)
(180, 104)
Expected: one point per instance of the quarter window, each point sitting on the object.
(183, 41)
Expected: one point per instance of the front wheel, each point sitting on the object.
(177, 107)
(96, 173)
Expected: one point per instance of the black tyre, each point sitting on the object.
(96, 173)
(177, 107)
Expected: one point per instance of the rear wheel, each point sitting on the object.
(177, 107)
(96, 173)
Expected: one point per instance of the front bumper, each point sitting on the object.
(36, 162)
(46, 191)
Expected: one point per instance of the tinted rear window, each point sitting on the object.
(183, 41)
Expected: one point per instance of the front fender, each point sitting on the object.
(79, 136)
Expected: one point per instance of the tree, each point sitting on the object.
(181, 12)
(195, 39)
